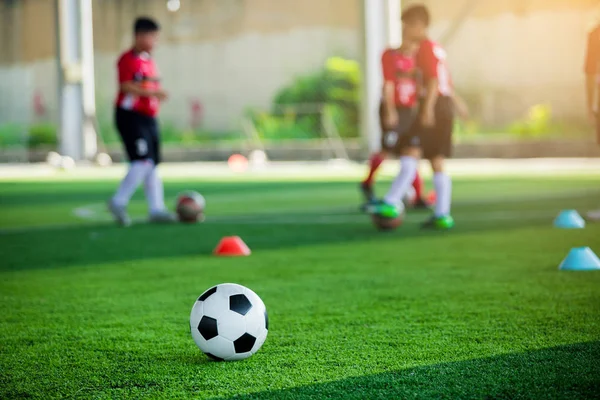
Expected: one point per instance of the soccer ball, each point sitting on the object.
(190, 207)
(229, 322)
(54, 159)
(387, 224)
(67, 163)
(410, 198)
(103, 160)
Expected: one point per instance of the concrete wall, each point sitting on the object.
(509, 55)
(227, 54)
(506, 55)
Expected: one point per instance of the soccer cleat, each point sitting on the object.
(119, 213)
(369, 196)
(370, 206)
(385, 210)
(162, 217)
(441, 223)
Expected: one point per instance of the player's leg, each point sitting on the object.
(366, 186)
(392, 204)
(420, 202)
(406, 144)
(594, 215)
(437, 147)
(409, 161)
(153, 185)
(137, 152)
(441, 218)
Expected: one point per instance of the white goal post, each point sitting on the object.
(380, 28)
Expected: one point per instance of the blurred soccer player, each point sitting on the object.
(432, 137)
(136, 109)
(592, 74)
(396, 114)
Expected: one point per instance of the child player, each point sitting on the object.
(592, 75)
(432, 136)
(397, 114)
(137, 106)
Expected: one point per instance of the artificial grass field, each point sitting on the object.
(90, 310)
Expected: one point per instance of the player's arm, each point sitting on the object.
(136, 88)
(592, 60)
(389, 89)
(431, 97)
(461, 107)
(128, 83)
(428, 63)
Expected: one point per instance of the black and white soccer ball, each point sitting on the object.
(229, 322)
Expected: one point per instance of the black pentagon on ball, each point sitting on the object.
(208, 328)
(207, 294)
(245, 343)
(266, 320)
(240, 304)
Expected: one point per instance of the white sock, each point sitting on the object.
(404, 180)
(138, 170)
(155, 194)
(443, 189)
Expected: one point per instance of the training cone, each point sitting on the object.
(232, 246)
(431, 197)
(580, 259)
(569, 219)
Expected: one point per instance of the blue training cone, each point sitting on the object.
(580, 259)
(569, 219)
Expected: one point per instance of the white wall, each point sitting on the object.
(510, 62)
(522, 60)
(226, 76)
(245, 71)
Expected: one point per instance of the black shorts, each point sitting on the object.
(395, 140)
(437, 140)
(140, 135)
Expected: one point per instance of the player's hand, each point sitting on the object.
(161, 95)
(428, 118)
(462, 110)
(392, 119)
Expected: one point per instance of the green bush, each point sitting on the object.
(42, 135)
(289, 126)
(336, 86)
(12, 135)
(537, 123)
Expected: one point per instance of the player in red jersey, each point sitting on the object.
(396, 114)
(136, 108)
(432, 135)
(592, 74)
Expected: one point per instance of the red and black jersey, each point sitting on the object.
(401, 69)
(138, 67)
(431, 60)
(592, 54)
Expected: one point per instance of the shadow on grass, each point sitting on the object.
(104, 243)
(564, 372)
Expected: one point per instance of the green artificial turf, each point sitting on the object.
(90, 310)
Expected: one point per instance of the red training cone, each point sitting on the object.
(232, 246)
